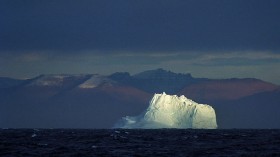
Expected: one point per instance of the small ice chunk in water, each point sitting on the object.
(117, 132)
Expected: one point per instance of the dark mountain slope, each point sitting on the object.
(71, 102)
(213, 91)
(260, 110)
(6, 82)
(156, 81)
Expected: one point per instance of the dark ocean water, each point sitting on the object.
(120, 142)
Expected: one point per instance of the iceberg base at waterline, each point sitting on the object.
(171, 111)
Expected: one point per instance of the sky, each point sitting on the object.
(213, 39)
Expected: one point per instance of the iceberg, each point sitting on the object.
(171, 111)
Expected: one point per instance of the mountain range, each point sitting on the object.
(97, 101)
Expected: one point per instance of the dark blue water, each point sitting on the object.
(119, 142)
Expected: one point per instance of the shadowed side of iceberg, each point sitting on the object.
(171, 111)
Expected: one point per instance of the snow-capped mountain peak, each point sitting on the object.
(55, 79)
(95, 81)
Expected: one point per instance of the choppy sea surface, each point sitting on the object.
(137, 142)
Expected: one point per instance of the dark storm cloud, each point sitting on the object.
(65, 26)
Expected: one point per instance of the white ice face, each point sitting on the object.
(171, 111)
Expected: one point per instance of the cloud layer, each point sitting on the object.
(158, 25)
(217, 39)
